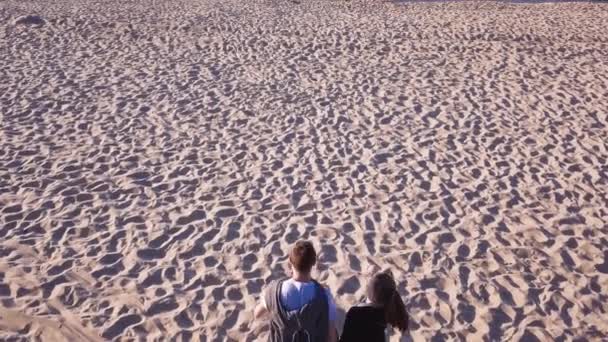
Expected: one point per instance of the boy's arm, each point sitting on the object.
(260, 309)
(333, 333)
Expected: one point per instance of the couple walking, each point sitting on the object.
(301, 310)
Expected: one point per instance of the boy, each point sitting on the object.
(300, 308)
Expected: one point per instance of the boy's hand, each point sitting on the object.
(260, 311)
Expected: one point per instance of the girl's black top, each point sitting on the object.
(364, 324)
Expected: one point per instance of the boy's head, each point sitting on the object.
(303, 256)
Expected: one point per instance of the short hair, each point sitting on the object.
(303, 256)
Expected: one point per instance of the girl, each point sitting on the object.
(367, 322)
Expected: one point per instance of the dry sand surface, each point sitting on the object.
(158, 159)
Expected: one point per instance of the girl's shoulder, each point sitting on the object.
(364, 323)
(367, 312)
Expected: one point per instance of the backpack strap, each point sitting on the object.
(272, 297)
(321, 294)
(295, 337)
(320, 291)
(297, 334)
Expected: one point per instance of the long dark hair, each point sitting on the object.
(382, 290)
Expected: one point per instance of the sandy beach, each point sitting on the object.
(159, 158)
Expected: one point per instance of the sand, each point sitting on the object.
(157, 160)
